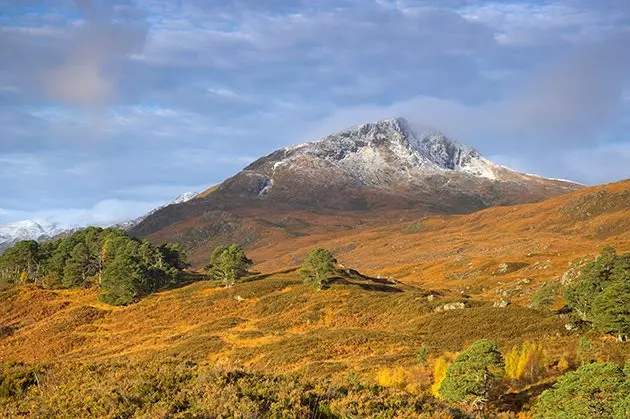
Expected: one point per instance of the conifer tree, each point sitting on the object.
(473, 373)
(317, 268)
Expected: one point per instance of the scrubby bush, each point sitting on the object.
(183, 389)
(545, 297)
(524, 361)
(586, 352)
(439, 373)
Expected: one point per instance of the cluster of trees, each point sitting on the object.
(124, 268)
(228, 264)
(601, 295)
(477, 376)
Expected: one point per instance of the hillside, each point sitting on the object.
(500, 253)
(430, 285)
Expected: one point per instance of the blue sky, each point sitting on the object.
(108, 108)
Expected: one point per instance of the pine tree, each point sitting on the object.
(317, 268)
(229, 263)
(593, 391)
(473, 373)
(76, 268)
(611, 310)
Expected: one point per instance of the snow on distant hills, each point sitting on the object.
(44, 230)
(185, 197)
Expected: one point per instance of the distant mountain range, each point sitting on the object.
(45, 230)
(365, 169)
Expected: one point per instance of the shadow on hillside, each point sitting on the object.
(376, 286)
(260, 276)
(514, 402)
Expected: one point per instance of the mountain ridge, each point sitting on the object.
(359, 173)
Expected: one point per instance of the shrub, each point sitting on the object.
(439, 373)
(586, 351)
(388, 377)
(422, 355)
(594, 390)
(317, 268)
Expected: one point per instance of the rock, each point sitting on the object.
(430, 297)
(501, 303)
(571, 327)
(451, 306)
(239, 298)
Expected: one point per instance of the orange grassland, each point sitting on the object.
(272, 322)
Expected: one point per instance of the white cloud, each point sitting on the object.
(103, 213)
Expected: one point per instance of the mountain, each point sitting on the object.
(385, 164)
(44, 230)
(26, 230)
(366, 169)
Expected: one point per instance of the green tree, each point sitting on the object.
(602, 293)
(124, 280)
(318, 267)
(229, 263)
(21, 263)
(473, 374)
(77, 267)
(172, 254)
(611, 310)
(593, 391)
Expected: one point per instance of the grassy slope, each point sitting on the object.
(273, 323)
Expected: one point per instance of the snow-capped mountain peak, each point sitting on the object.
(385, 148)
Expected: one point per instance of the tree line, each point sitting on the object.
(122, 267)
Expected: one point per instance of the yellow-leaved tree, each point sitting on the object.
(524, 361)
